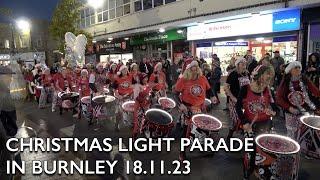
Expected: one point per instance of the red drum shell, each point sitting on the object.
(152, 123)
(277, 157)
(309, 135)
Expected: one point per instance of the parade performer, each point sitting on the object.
(62, 82)
(47, 90)
(190, 93)
(255, 108)
(99, 80)
(158, 78)
(134, 72)
(296, 95)
(142, 99)
(235, 80)
(123, 92)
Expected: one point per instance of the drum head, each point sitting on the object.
(311, 121)
(206, 122)
(128, 106)
(103, 99)
(85, 100)
(277, 144)
(158, 116)
(167, 103)
(65, 95)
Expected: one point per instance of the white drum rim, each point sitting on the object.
(85, 97)
(39, 87)
(162, 111)
(127, 102)
(169, 99)
(306, 116)
(277, 136)
(208, 100)
(206, 115)
(60, 94)
(108, 96)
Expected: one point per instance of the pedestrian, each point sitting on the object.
(278, 64)
(47, 90)
(313, 69)
(251, 61)
(216, 76)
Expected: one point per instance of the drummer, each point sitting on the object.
(47, 90)
(98, 80)
(134, 72)
(62, 83)
(190, 93)
(293, 86)
(158, 78)
(123, 91)
(141, 94)
(255, 108)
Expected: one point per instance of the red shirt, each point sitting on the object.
(255, 104)
(193, 91)
(84, 89)
(124, 85)
(47, 80)
(161, 84)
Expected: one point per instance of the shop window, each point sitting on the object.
(138, 5)
(112, 13)
(147, 4)
(82, 13)
(119, 11)
(157, 3)
(169, 1)
(119, 3)
(105, 16)
(87, 21)
(83, 23)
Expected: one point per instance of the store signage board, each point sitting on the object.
(268, 23)
(169, 35)
(231, 43)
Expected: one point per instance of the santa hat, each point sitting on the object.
(292, 65)
(240, 60)
(192, 64)
(123, 67)
(84, 71)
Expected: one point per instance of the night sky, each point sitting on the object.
(31, 9)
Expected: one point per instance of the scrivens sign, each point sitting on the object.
(277, 22)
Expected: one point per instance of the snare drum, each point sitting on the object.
(277, 157)
(157, 123)
(128, 107)
(86, 108)
(205, 126)
(68, 100)
(167, 103)
(104, 106)
(309, 135)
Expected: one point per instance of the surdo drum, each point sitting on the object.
(205, 126)
(167, 103)
(104, 106)
(68, 100)
(128, 107)
(309, 135)
(277, 157)
(157, 123)
(85, 106)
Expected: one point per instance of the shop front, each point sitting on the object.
(264, 33)
(114, 51)
(165, 45)
(311, 28)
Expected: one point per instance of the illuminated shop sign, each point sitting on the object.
(267, 23)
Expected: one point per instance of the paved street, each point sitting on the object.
(221, 165)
